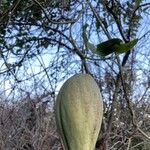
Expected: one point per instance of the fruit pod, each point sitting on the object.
(79, 111)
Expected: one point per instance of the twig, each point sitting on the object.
(58, 22)
(99, 20)
(78, 52)
(143, 133)
(135, 124)
(129, 143)
(118, 23)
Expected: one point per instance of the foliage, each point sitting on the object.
(42, 43)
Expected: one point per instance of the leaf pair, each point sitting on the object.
(103, 49)
(114, 46)
(107, 47)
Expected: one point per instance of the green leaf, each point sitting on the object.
(84, 35)
(91, 47)
(107, 47)
(122, 48)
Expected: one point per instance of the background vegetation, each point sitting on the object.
(42, 44)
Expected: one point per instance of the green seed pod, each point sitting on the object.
(79, 111)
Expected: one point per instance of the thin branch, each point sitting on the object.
(142, 5)
(118, 23)
(76, 49)
(129, 143)
(135, 124)
(143, 95)
(58, 22)
(78, 52)
(143, 133)
(99, 20)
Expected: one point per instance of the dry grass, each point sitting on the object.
(27, 125)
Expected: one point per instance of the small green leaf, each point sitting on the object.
(84, 35)
(91, 47)
(122, 48)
